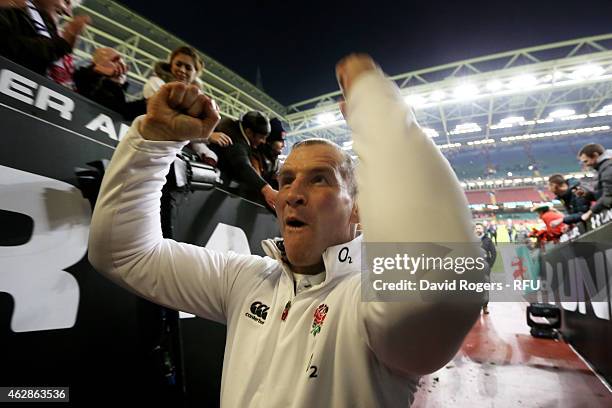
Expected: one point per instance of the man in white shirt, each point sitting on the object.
(299, 334)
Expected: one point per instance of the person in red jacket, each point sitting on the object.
(548, 215)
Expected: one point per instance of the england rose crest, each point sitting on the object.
(319, 318)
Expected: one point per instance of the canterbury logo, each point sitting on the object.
(259, 309)
(259, 312)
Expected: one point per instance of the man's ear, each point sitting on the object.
(355, 214)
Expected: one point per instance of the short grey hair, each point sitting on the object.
(347, 166)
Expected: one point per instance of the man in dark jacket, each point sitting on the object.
(239, 160)
(270, 151)
(595, 156)
(565, 191)
(29, 37)
(105, 82)
(492, 231)
(490, 256)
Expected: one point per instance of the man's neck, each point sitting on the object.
(309, 270)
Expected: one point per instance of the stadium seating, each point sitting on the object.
(508, 195)
(547, 157)
(478, 197)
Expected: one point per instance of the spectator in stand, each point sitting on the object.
(105, 82)
(595, 156)
(241, 161)
(490, 256)
(29, 36)
(185, 65)
(270, 151)
(492, 231)
(565, 191)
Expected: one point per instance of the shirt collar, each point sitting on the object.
(339, 260)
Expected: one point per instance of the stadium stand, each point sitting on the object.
(478, 197)
(509, 195)
(545, 156)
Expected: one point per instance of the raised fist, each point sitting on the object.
(349, 68)
(179, 112)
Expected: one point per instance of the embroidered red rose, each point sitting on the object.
(319, 318)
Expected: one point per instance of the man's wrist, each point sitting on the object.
(149, 131)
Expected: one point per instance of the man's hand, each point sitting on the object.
(108, 62)
(179, 112)
(351, 67)
(269, 195)
(579, 191)
(220, 139)
(74, 28)
(586, 216)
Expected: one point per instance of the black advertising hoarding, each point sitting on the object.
(63, 324)
(580, 273)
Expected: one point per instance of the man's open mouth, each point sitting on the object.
(295, 222)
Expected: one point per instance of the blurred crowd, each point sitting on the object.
(587, 204)
(245, 149)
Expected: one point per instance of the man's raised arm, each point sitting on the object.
(126, 242)
(408, 193)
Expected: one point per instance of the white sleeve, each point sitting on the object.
(151, 87)
(407, 193)
(126, 242)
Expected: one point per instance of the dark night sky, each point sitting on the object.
(297, 43)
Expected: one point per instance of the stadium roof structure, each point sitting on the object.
(538, 92)
(548, 91)
(142, 44)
